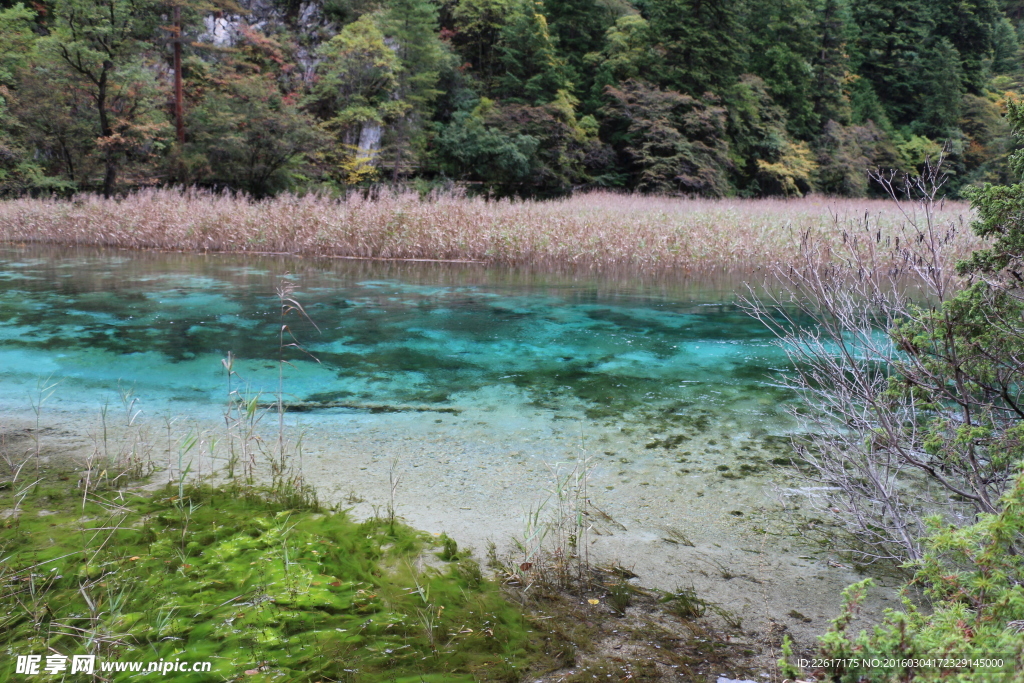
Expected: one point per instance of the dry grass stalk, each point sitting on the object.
(596, 231)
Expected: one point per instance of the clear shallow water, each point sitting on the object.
(475, 385)
(387, 337)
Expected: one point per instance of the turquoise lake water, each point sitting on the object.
(477, 388)
(381, 337)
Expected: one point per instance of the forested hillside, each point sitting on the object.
(509, 97)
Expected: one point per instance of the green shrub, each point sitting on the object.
(974, 578)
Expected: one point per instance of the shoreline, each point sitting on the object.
(466, 482)
(475, 474)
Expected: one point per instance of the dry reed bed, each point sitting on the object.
(595, 231)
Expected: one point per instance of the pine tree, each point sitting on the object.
(942, 90)
(628, 52)
(885, 52)
(782, 42)
(766, 158)
(831, 64)
(578, 27)
(1005, 48)
(968, 25)
(866, 107)
(701, 43)
(534, 71)
(478, 26)
(1013, 9)
(412, 25)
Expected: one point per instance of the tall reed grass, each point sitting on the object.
(597, 231)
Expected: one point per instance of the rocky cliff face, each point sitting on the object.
(300, 30)
(306, 27)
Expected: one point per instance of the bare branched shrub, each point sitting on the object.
(907, 406)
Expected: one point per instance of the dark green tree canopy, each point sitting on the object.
(718, 97)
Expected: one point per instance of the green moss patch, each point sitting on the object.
(262, 592)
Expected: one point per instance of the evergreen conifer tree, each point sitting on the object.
(886, 52)
(534, 71)
(942, 90)
(701, 42)
(782, 43)
(413, 26)
(831, 64)
(968, 25)
(1005, 48)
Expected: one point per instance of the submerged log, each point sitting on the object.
(309, 406)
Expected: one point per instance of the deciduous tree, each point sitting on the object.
(100, 47)
(673, 143)
(356, 94)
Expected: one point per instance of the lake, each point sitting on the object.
(475, 387)
(379, 335)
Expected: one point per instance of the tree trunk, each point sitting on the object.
(179, 112)
(398, 157)
(110, 175)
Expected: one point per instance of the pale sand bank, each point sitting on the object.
(475, 475)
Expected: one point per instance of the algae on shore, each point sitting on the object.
(246, 585)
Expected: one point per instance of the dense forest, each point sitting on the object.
(508, 97)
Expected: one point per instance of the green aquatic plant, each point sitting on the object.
(684, 603)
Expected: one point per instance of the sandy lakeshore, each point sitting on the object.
(475, 475)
